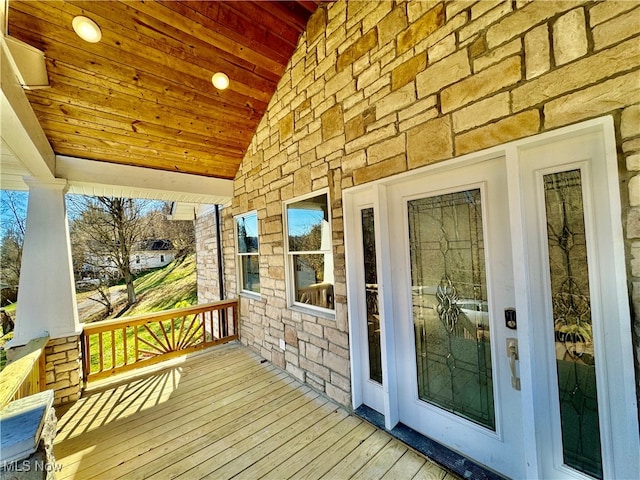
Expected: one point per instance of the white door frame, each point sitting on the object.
(619, 426)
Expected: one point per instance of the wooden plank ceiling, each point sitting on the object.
(143, 94)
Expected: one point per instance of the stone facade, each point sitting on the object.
(63, 369)
(379, 88)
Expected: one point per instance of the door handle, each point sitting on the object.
(512, 353)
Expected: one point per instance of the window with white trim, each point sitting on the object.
(309, 252)
(248, 256)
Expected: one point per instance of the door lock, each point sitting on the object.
(512, 353)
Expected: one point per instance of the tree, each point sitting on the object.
(107, 228)
(13, 228)
(181, 233)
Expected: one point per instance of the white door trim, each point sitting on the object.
(623, 428)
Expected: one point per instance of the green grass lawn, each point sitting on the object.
(172, 286)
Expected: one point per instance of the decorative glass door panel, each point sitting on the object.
(570, 299)
(449, 297)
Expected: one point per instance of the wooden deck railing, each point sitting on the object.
(115, 346)
(24, 373)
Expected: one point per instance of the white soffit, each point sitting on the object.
(90, 177)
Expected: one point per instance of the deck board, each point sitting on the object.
(224, 413)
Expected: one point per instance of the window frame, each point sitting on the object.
(239, 266)
(292, 303)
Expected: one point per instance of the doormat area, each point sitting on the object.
(440, 454)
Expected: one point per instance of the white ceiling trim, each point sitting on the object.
(90, 177)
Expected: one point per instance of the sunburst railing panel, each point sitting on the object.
(115, 346)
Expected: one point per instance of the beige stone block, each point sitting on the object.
(443, 73)
(337, 83)
(503, 74)
(418, 119)
(518, 126)
(495, 56)
(537, 52)
(332, 122)
(407, 71)
(310, 141)
(617, 29)
(316, 25)
(338, 395)
(336, 363)
(66, 346)
(315, 368)
(386, 149)
(364, 44)
(603, 11)
(396, 101)
(354, 128)
(633, 163)
(416, 9)
(456, 6)
(370, 138)
(368, 76)
(524, 19)
(633, 223)
(379, 170)
(634, 191)
(56, 357)
(286, 127)
(443, 48)
(302, 181)
(481, 112)
(391, 25)
(341, 382)
(421, 28)
(593, 101)
(429, 142)
(570, 36)
(576, 75)
(354, 161)
(630, 122)
(480, 24)
(330, 146)
(631, 145)
(418, 107)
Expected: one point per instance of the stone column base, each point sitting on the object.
(63, 369)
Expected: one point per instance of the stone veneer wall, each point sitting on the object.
(207, 256)
(63, 369)
(378, 88)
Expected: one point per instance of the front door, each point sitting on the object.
(505, 332)
(452, 286)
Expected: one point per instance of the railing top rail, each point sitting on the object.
(19, 367)
(105, 325)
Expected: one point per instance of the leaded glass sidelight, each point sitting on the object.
(371, 295)
(450, 310)
(571, 303)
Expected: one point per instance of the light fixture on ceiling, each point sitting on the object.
(87, 29)
(220, 80)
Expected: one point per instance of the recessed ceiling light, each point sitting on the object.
(220, 80)
(87, 29)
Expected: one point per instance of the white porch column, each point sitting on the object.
(46, 293)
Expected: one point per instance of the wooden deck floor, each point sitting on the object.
(225, 414)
